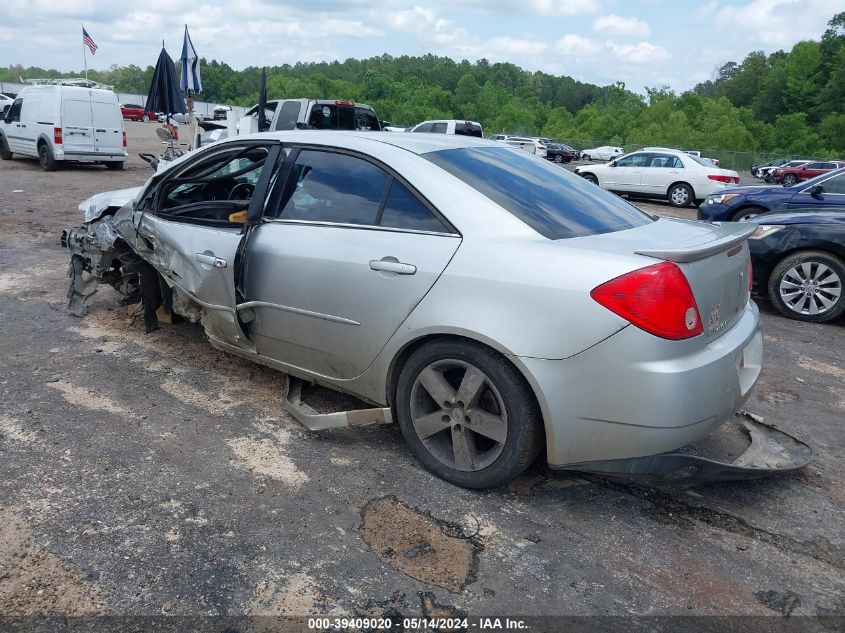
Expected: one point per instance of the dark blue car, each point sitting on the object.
(821, 193)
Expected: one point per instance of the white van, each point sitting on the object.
(57, 123)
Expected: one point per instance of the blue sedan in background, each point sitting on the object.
(822, 193)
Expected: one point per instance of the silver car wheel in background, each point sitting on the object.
(810, 288)
(459, 415)
(680, 196)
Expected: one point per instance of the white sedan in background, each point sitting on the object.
(605, 152)
(661, 173)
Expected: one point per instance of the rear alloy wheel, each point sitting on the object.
(789, 180)
(45, 157)
(467, 414)
(807, 286)
(680, 195)
(558, 158)
(5, 152)
(145, 118)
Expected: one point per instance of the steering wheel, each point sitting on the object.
(241, 191)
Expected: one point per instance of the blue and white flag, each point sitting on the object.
(190, 66)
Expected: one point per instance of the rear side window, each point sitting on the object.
(552, 201)
(329, 187)
(403, 210)
(835, 184)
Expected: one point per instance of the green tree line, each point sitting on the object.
(786, 102)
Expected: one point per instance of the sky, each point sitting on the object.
(647, 43)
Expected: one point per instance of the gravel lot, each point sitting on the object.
(151, 474)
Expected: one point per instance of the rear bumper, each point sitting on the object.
(634, 394)
(90, 156)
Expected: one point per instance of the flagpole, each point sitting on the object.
(84, 55)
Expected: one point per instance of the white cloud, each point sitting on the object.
(617, 25)
(562, 7)
(777, 23)
(640, 53)
(577, 46)
(415, 19)
(504, 46)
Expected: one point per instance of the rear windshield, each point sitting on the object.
(551, 200)
(468, 129)
(331, 116)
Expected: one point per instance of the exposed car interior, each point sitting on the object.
(217, 192)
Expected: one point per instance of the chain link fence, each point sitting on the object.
(728, 159)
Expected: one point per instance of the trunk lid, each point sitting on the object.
(714, 259)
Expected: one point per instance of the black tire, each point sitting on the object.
(591, 178)
(814, 258)
(5, 152)
(586, 157)
(747, 212)
(789, 180)
(115, 165)
(145, 118)
(503, 386)
(558, 158)
(45, 158)
(680, 195)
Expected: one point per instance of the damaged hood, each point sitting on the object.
(93, 207)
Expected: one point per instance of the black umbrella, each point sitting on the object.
(263, 124)
(164, 89)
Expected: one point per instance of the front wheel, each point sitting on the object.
(467, 414)
(591, 179)
(586, 157)
(680, 195)
(746, 214)
(5, 152)
(807, 286)
(45, 158)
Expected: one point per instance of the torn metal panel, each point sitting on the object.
(314, 421)
(94, 207)
(771, 451)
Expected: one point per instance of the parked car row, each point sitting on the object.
(789, 172)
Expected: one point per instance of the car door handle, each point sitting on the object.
(211, 260)
(389, 266)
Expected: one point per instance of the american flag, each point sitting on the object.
(86, 39)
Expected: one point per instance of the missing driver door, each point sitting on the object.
(194, 235)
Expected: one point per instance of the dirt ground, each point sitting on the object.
(149, 475)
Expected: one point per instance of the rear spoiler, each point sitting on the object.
(712, 247)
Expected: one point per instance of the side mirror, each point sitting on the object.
(816, 190)
(613, 163)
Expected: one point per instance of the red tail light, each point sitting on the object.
(657, 299)
(57, 135)
(124, 138)
(719, 178)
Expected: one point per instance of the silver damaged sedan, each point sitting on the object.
(492, 304)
